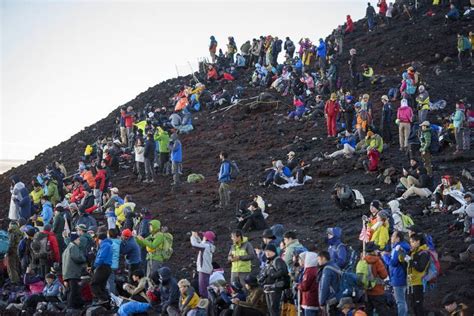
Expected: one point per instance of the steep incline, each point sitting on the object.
(252, 137)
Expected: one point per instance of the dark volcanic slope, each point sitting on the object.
(252, 137)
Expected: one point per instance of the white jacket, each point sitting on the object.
(206, 251)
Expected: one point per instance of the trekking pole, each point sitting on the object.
(298, 305)
(364, 225)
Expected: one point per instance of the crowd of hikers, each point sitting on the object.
(76, 243)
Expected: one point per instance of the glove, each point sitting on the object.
(397, 248)
(365, 218)
(407, 258)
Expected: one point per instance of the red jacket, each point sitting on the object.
(53, 242)
(382, 7)
(227, 76)
(212, 74)
(331, 108)
(100, 179)
(379, 271)
(77, 194)
(374, 158)
(350, 25)
(309, 287)
(128, 118)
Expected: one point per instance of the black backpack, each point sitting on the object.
(234, 170)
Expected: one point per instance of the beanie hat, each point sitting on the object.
(376, 204)
(31, 231)
(127, 233)
(210, 236)
(73, 236)
(271, 247)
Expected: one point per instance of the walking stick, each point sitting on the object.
(364, 225)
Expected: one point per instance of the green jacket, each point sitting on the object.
(73, 262)
(246, 254)
(163, 138)
(375, 142)
(154, 242)
(425, 140)
(290, 249)
(53, 192)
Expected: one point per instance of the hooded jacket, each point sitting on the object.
(224, 172)
(290, 249)
(423, 100)
(246, 254)
(163, 139)
(73, 262)
(176, 149)
(309, 284)
(20, 202)
(131, 251)
(104, 254)
(396, 265)
(425, 140)
(378, 271)
(206, 252)
(337, 250)
(418, 265)
(154, 242)
(374, 142)
(328, 280)
(169, 290)
(397, 216)
(405, 114)
(322, 49)
(458, 118)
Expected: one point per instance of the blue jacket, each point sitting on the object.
(337, 250)
(349, 140)
(176, 151)
(453, 13)
(322, 49)
(115, 253)
(328, 283)
(130, 249)
(52, 289)
(47, 213)
(104, 254)
(397, 270)
(224, 172)
(25, 204)
(168, 289)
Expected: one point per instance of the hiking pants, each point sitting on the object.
(403, 134)
(421, 192)
(152, 266)
(141, 170)
(348, 150)
(246, 311)
(379, 303)
(99, 282)
(466, 135)
(164, 159)
(203, 284)
(224, 195)
(74, 298)
(348, 119)
(13, 268)
(426, 158)
(409, 181)
(111, 286)
(149, 172)
(176, 170)
(273, 302)
(238, 277)
(130, 136)
(416, 300)
(331, 125)
(400, 294)
(123, 135)
(422, 115)
(459, 136)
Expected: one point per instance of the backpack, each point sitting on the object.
(466, 43)
(348, 284)
(166, 248)
(351, 256)
(434, 268)
(407, 221)
(234, 170)
(4, 242)
(365, 275)
(44, 251)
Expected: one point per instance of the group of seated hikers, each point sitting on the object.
(75, 243)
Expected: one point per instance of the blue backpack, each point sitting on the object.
(348, 285)
(4, 242)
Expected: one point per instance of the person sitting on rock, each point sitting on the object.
(282, 173)
(422, 187)
(348, 143)
(300, 109)
(444, 190)
(270, 174)
(254, 220)
(344, 196)
(212, 74)
(453, 306)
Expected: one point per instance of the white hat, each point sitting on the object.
(114, 190)
(291, 153)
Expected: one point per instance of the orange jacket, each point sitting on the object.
(379, 271)
(87, 176)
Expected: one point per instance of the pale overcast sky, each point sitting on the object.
(67, 64)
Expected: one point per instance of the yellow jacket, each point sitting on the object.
(375, 142)
(36, 196)
(414, 275)
(122, 211)
(193, 302)
(380, 235)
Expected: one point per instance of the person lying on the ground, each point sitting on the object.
(348, 143)
(421, 186)
(444, 193)
(252, 221)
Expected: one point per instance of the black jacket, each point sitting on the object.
(275, 274)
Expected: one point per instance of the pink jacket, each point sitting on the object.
(405, 114)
